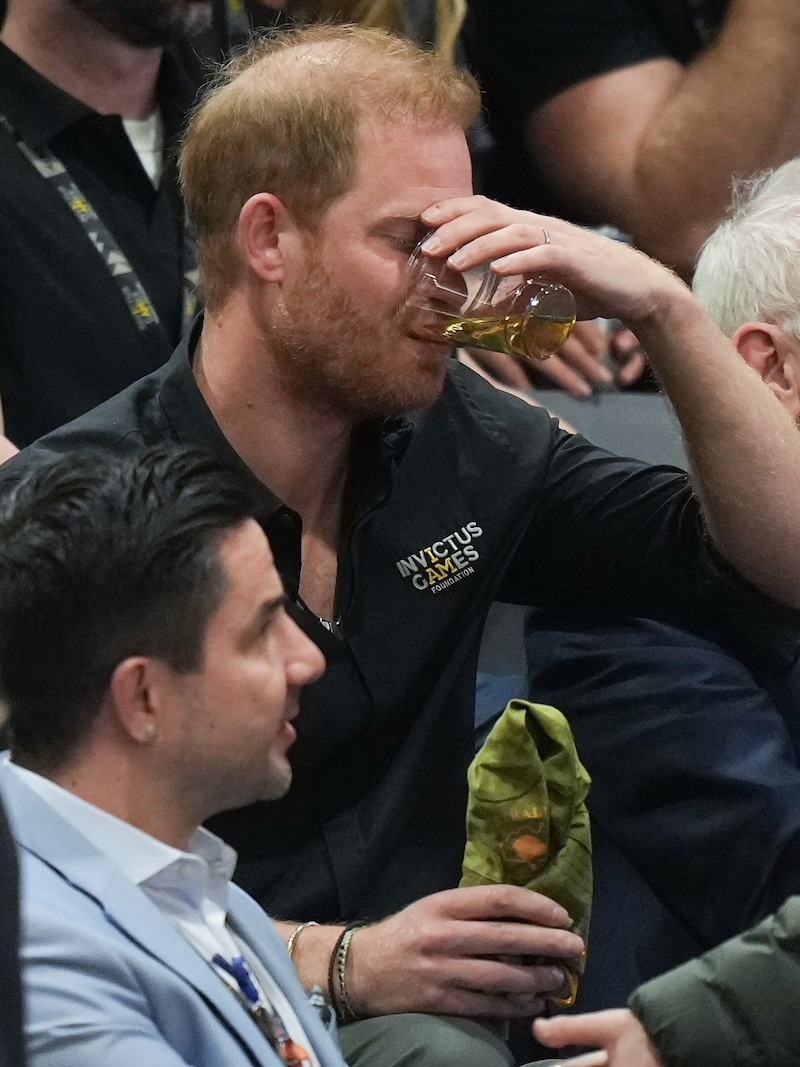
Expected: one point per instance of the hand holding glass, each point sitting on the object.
(527, 317)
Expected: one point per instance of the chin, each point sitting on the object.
(401, 404)
(423, 384)
(278, 783)
(430, 385)
(273, 786)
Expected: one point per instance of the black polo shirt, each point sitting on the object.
(67, 338)
(480, 497)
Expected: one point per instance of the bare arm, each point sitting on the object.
(652, 147)
(744, 447)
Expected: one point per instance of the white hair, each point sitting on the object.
(749, 268)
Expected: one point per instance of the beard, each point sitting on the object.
(143, 23)
(331, 354)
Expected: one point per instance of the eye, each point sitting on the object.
(405, 244)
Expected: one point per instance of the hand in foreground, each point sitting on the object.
(463, 952)
(598, 1058)
(621, 1037)
(609, 279)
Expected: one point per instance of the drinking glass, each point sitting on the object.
(526, 317)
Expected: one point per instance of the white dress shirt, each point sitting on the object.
(147, 138)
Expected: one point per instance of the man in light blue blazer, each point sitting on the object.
(109, 981)
(147, 653)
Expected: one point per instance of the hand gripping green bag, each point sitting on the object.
(527, 821)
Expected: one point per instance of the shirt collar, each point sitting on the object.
(138, 855)
(378, 446)
(193, 422)
(40, 111)
(34, 106)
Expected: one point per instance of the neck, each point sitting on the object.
(84, 59)
(301, 452)
(113, 782)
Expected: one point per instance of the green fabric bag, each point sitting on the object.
(527, 821)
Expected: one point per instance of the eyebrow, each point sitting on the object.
(398, 219)
(268, 610)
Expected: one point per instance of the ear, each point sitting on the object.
(775, 356)
(136, 698)
(263, 224)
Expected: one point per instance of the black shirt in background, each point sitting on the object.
(67, 338)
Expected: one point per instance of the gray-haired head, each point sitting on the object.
(749, 268)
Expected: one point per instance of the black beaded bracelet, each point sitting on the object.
(332, 983)
(347, 1013)
(337, 976)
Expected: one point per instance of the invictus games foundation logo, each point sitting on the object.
(445, 562)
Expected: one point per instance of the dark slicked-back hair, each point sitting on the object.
(104, 557)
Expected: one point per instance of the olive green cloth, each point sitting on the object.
(527, 821)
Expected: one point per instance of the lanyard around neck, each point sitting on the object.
(139, 304)
(261, 1011)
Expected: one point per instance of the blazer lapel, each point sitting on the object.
(258, 930)
(39, 829)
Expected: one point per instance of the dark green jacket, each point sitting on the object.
(736, 1006)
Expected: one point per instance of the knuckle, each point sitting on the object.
(521, 231)
(441, 1001)
(428, 941)
(497, 896)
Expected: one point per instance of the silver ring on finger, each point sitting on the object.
(546, 233)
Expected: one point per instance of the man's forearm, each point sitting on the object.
(743, 445)
(652, 147)
(736, 110)
(311, 951)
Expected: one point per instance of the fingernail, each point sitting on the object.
(430, 212)
(433, 244)
(555, 978)
(457, 259)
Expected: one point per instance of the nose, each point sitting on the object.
(304, 660)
